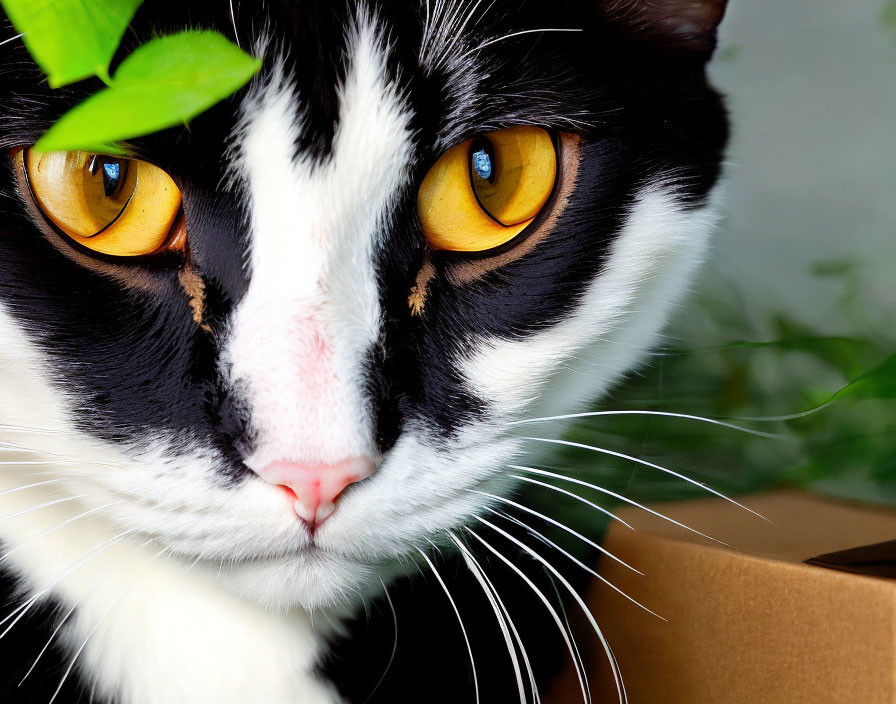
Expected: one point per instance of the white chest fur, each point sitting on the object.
(147, 629)
(139, 624)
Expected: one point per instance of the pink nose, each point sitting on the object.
(316, 486)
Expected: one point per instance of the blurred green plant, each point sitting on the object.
(163, 83)
(829, 401)
(730, 53)
(888, 16)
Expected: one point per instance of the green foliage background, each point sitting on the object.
(798, 299)
(845, 445)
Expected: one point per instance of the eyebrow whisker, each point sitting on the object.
(516, 34)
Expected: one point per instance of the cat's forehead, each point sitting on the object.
(452, 62)
(460, 67)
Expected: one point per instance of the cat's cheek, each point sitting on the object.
(427, 485)
(617, 320)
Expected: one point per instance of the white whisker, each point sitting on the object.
(515, 34)
(449, 45)
(56, 527)
(62, 623)
(12, 39)
(665, 414)
(560, 525)
(102, 618)
(25, 607)
(580, 672)
(29, 486)
(45, 504)
(476, 571)
(533, 685)
(573, 495)
(435, 547)
(32, 463)
(21, 451)
(620, 497)
(233, 21)
(463, 629)
(36, 431)
(562, 607)
(791, 416)
(573, 558)
(15, 447)
(645, 463)
(617, 674)
(394, 643)
(55, 633)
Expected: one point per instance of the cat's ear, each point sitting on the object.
(675, 26)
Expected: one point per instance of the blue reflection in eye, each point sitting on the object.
(113, 171)
(111, 177)
(482, 164)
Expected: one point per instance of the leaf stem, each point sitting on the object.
(102, 73)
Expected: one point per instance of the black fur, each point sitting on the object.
(140, 366)
(431, 663)
(21, 646)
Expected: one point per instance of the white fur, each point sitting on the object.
(311, 314)
(156, 631)
(646, 275)
(155, 615)
(234, 626)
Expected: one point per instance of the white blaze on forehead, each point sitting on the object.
(311, 313)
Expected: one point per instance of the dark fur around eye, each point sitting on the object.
(639, 118)
(128, 352)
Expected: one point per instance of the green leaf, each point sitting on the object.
(71, 39)
(879, 383)
(164, 83)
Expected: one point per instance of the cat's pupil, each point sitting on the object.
(112, 171)
(482, 163)
(111, 178)
(482, 160)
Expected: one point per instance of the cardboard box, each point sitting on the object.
(752, 623)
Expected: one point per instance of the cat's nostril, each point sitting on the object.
(316, 486)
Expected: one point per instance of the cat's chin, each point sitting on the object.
(312, 579)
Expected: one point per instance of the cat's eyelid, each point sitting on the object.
(466, 215)
(121, 226)
(464, 269)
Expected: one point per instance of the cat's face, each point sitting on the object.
(314, 315)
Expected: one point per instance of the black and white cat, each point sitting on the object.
(215, 453)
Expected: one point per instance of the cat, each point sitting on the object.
(263, 372)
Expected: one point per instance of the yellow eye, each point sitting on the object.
(111, 205)
(484, 192)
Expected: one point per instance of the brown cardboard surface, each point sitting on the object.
(750, 622)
